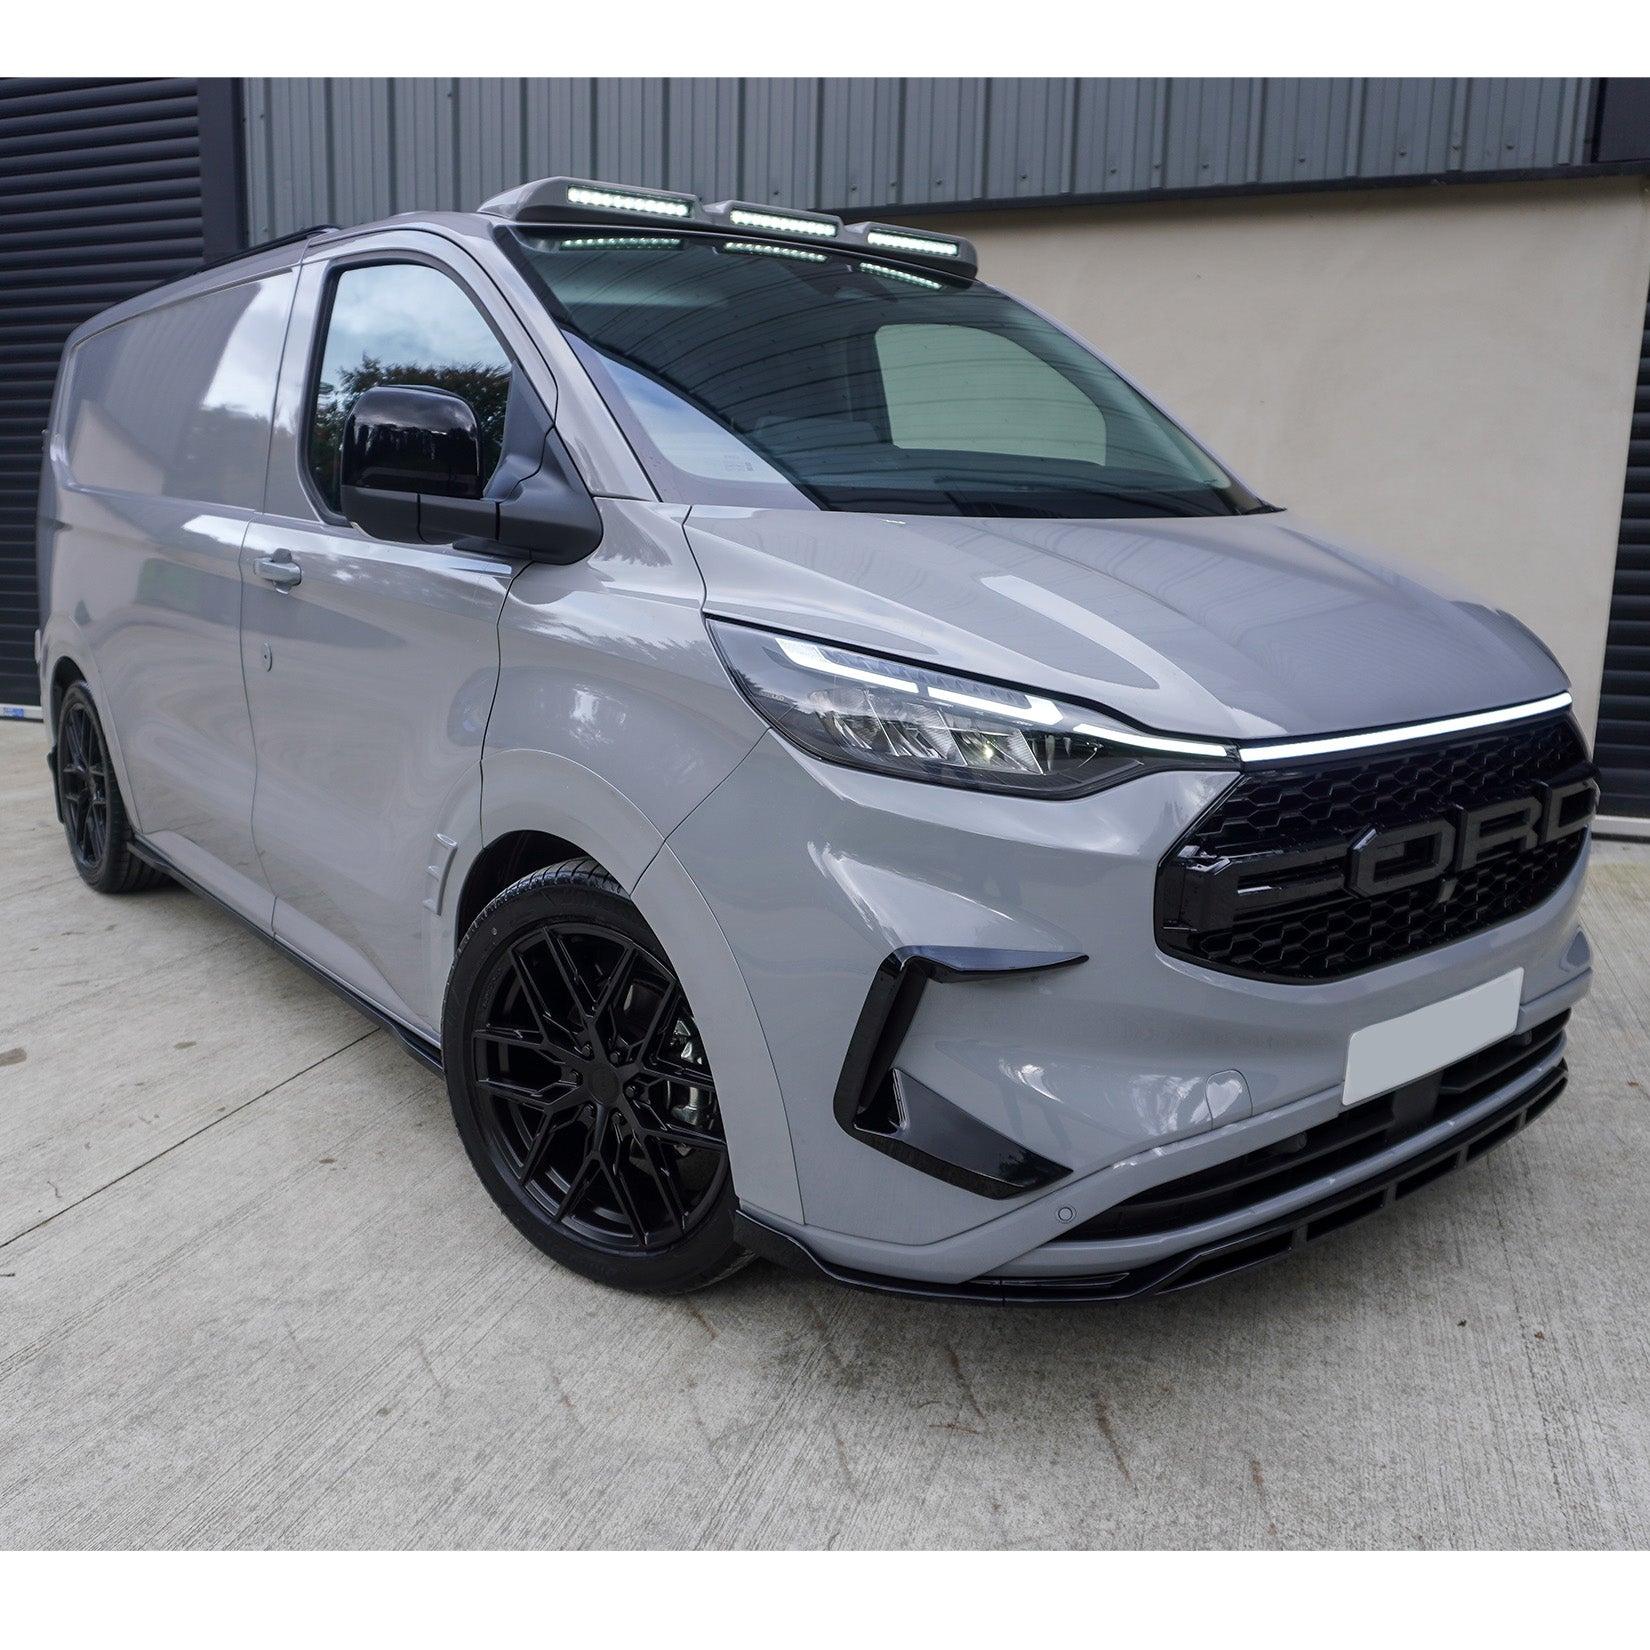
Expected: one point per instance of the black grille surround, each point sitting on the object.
(1275, 812)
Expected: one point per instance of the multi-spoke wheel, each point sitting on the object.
(94, 817)
(581, 1088)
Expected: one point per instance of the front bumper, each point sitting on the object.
(1201, 1261)
(1118, 1069)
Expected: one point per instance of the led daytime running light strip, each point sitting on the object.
(1398, 736)
(784, 222)
(911, 243)
(812, 657)
(1153, 741)
(578, 196)
(1042, 713)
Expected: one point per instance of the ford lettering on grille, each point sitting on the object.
(1317, 873)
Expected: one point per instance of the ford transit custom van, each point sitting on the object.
(819, 761)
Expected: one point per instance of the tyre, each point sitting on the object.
(94, 816)
(581, 1090)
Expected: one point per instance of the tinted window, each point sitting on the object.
(969, 390)
(753, 374)
(177, 402)
(404, 324)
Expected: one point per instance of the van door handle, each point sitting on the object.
(280, 569)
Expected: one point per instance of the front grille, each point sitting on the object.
(1331, 931)
(1340, 1143)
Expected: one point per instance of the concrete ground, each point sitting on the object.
(252, 1295)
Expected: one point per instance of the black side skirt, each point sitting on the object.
(421, 1048)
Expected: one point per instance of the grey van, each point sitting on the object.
(820, 762)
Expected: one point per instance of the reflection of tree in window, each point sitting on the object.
(486, 388)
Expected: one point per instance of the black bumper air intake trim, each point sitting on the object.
(891, 1112)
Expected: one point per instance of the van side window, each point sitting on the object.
(177, 402)
(404, 324)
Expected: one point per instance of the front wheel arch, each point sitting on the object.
(580, 1087)
(506, 860)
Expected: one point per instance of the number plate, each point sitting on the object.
(1385, 1056)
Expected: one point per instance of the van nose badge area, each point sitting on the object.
(890, 1111)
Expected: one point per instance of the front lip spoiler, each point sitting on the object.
(1202, 1263)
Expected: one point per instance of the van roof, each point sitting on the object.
(573, 201)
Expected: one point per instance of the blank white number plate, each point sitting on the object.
(1384, 1056)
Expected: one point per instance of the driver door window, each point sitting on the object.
(404, 324)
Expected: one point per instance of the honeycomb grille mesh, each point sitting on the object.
(1344, 933)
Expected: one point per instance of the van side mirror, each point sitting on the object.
(402, 438)
(410, 471)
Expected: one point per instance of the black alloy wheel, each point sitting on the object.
(94, 816)
(83, 775)
(580, 1085)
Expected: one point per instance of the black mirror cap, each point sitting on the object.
(406, 438)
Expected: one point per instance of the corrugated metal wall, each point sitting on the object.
(104, 192)
(348, 150)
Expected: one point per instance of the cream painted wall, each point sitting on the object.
(1443, 374)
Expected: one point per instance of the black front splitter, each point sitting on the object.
(1202, 1263)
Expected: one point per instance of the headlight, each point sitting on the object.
(868, 711)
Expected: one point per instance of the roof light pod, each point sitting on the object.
(770, 220)
(950, 252)
(558, 200)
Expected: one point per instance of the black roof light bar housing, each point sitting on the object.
(588, 200)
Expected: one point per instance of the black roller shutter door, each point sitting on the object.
(107, 188)
(1624, 710)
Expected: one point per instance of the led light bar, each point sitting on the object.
(893, 274)
(602, 243)
(564, 200)
(612, 201)
(948, 252)
(929, 247)
(778, 220)
(775, 220)
(1337, 743)
(770, 251)
(558, 200)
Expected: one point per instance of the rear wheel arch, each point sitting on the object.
(90, 803)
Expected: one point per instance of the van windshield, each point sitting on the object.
(746, 373)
